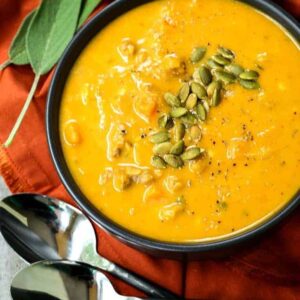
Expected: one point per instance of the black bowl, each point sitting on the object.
(52, 124)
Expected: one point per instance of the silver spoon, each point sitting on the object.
(63, 280)
(38, 228)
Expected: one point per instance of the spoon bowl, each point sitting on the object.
(63, 280)
(38, 228)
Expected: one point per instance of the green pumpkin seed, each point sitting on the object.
(159, 137)
(216, 97)
(213, 65)
(249, 84)
(192, 153)
(198, 89)
(196, 76)
(219, 59)
(191, 101)
(171, 100)
(206, 105)
(201, 112)
(178, 148)
(158, 162)
(165, 122)
(178, 112)
(173, 160)
(195, 133)
(188, 119)
(249, 75)
(197, 54)
(225, 76)
(205, 75)
(184, 92)
(179, 132)
(225, 52)
(162, 148)
(234, 69)
(213, 86)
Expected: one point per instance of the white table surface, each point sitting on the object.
(10, 262)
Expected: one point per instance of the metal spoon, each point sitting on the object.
(63, 280)
(38, 228)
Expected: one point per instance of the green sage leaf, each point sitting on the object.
(87, 8)
(17, 52)
(51, 29)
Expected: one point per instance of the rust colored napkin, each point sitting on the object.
(269, 270)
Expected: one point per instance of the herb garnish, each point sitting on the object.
(42, 38)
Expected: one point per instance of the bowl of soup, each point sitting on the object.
(175, 124)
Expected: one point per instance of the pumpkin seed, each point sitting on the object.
(165, 122)
(213, 86)
(249, 84)
(219, 59)
(178, 112)
(171, 100)
(173, 160)
(178, 148)
(184, 92)
(158, 162)
(225, 76)
(225, 52)
(216, 97)
(192, 153)
(179, 132)
(234, 69)
(196, 76)
(205, 75)
(206, 106)
(188, 119)
(195, 133)
(197, 54)
(213, 65)
(198, 89)
(201, 112)
(191, 101)
(159, 137)
(249, 75)
(162, 148)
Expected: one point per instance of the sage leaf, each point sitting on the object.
(87, 8)
(51, 29)
(17, 52)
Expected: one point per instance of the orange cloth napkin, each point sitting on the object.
(268, 270)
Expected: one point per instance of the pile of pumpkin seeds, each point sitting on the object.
(192, 104)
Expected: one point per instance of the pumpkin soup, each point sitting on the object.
(181, 119)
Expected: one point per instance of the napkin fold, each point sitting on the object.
(268, 270)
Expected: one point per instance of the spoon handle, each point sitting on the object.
(141, 283)
(144, 285)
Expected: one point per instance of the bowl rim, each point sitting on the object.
(69, 57)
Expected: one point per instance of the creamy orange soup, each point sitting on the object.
(249, 159)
